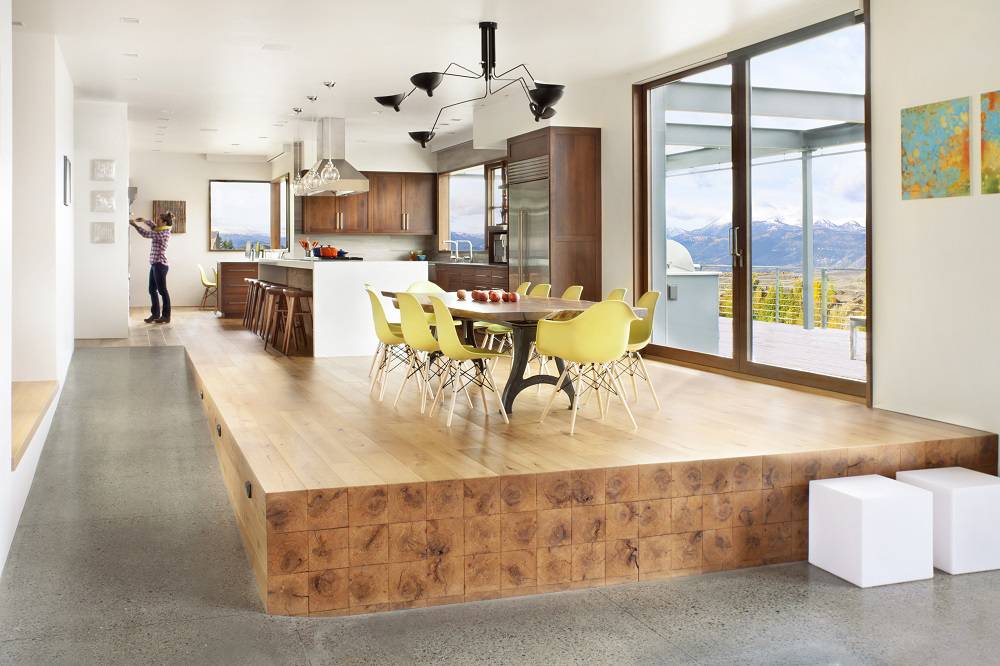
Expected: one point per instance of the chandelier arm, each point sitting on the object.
(520, 79)
(448, 106)
(455, 64)
(522, 66)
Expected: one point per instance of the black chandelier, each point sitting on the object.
(541, 96)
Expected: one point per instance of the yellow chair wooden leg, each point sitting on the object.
(628, 410)
(649, 381)
(555, 392)
(496, 391)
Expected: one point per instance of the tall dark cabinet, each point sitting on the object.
(554, 201)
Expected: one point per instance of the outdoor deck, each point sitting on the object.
(825, 351)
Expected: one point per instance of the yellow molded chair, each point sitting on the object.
(391, 352)
(522, 289)
(427, 287)
(466, 365)
(211, 286)
(590, 344)
(640, 333)
(540, 290)
(617, 294)
(422, 343)
(572, 293)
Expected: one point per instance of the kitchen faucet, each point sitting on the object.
(455, 253)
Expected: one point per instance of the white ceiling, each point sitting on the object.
(239, 66)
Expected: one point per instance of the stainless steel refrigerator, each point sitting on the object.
(528, 221)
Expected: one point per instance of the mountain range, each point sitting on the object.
(776, 243)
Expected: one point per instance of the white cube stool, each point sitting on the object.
(966, 516)
(871, 530)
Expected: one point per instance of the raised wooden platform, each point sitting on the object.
(29, 402)
(347, 505)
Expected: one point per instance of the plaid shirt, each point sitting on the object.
(158, 247)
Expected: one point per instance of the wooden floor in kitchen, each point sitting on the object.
(347, 504)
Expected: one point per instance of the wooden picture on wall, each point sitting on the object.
(178, 208)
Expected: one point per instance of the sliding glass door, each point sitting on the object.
(755, 205)
(808, 194)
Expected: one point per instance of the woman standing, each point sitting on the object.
(160, 236)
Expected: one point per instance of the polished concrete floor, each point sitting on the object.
(127, 553)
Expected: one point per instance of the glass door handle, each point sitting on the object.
(734, 248)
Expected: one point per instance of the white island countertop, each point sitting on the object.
(341, 313)
(309, 264)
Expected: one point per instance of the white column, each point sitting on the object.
(808, 308)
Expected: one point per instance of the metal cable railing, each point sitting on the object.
(838, 294)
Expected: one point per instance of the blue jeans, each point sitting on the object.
(158, 288)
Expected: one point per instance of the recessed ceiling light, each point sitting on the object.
(156, 150)
(161, 127)
(262, 137)
(376, 113)
(234, 144)
(130, 19)
(130, 78)
(157, 140)
(163, 119)
(456, 119)
(276, 47)
(131, 54)
(209, 129)
(277, 125)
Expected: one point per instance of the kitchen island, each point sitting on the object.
(342, 317)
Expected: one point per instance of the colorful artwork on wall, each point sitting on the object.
(991, 142)
(936, 150)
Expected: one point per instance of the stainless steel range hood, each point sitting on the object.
(332, 175)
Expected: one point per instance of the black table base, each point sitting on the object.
(524, 335)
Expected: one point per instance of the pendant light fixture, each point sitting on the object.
(541, 96)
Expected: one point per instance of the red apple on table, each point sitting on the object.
(495, 296)
(461, 293)
(505, 297)
(514, 297)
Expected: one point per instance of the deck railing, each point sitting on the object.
(838, 294)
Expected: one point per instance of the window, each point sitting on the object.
(239, 212)
(466, 211)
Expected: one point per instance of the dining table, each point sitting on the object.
(522, 316)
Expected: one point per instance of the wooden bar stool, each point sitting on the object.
(253, 285)
(260, 319)
(297, 320)
(273, 315)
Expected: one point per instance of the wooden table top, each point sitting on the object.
(528, 309)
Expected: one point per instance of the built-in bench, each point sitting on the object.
(29, 403)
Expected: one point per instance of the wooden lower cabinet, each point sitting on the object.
(232, 289)
(452, 277)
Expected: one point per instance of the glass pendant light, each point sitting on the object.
(329, 173)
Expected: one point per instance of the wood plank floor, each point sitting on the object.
(315, 420)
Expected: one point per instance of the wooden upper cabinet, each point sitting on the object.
(396, 203)
(419, 197)
(353, 213)
(319, 215)
(385, 202)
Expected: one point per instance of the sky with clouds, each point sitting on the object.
(831, 63)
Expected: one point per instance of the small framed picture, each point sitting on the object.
(102, 201)
(67, 182)
(102, 169)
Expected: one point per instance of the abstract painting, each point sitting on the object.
(102, 169)
(991, 142)
(178, 208)
(936, 150)
(102, 201)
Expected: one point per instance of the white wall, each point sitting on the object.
(936, 320)
(101, 269)
(180, 177)
(43, 226)
(36, 96)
